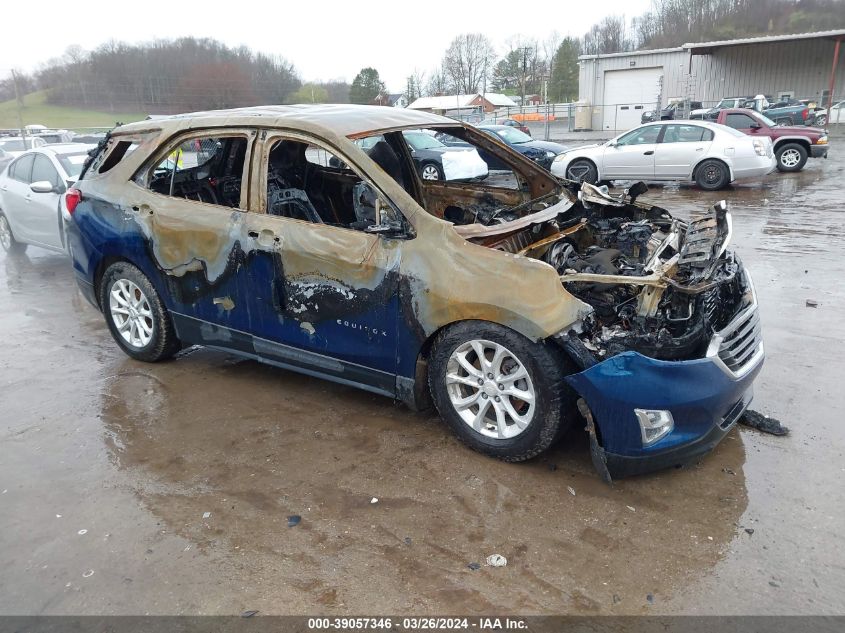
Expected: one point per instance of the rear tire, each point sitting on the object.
(582, 170)
(522, 404)
(791, 157)
(712, 174)
(137, 319)
(7, 238)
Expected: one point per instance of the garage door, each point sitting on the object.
(629, 93)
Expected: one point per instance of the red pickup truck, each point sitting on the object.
(793, 144)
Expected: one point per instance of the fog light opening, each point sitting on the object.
(654, 424)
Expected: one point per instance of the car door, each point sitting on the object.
(323, 292)
(42, 208)
(15, 191)
(632, 154)
(187, 229)
(681, 147)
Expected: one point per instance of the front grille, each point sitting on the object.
(741, 339)
(738, 343)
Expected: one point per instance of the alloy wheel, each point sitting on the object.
(490, 389)
(790, 158)
(131, 313)
(429, 172)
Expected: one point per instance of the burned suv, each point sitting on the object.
(519, 305)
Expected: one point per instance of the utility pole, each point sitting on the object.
(18, 104)
(524, 71)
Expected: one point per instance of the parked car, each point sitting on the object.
(31, 204)
(55, 136)
(792, 144)
(16, 145)
(791, 112)
(519, 125)
(672, 150)
(837, 112)
(409, 288)
(541, 152)
(670, 112)
(727, 102)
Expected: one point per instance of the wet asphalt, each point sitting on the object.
(128, 488)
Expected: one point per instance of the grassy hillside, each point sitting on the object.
(37, 110)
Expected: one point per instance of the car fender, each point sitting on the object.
(594, 153)
(792, 139)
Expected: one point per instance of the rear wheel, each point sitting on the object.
(7, 238)
(791, 157)
(137, 319)
(582, 170)
(712, 175)
(502, 394)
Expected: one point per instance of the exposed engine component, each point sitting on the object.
(656, 285)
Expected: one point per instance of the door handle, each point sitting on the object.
(648, 153)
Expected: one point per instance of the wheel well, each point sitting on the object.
(101, 269)
(586, 160)
(797, 141)
(718, 160)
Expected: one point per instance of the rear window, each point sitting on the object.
(114, 152)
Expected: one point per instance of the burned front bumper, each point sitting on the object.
(704, 397)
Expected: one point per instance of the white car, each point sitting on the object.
(16, 145)
(709, 154)
(31, 188)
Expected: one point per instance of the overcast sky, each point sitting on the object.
(325, 39)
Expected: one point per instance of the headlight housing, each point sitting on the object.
(759, 147)
(655, 424)
(550, 154)
(822, 140)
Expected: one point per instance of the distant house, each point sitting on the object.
(488, 102)
(397, 100)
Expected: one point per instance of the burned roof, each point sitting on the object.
(338, 119)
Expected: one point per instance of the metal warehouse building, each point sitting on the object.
(619, 87)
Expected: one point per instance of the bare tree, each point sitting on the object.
(468, 61)
(438, 83)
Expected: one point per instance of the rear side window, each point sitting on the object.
(205, 169)
(686, 134)
(21, 169)
(43, 170)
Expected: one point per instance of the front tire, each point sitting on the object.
(791, 157)
(582, 170)
(712, 174)
(431, 171)
(7, 238)
(502, 394)
(137, 319)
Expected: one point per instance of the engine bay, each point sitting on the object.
(657, 285)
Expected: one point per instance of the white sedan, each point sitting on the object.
(31, 188)
(709, 154)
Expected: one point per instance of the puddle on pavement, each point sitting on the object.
(253, 445)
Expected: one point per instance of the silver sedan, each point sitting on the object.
(31, 188)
